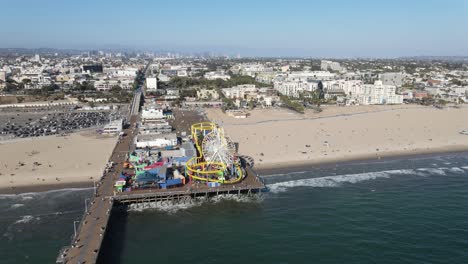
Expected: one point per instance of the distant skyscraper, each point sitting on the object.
(37, 58)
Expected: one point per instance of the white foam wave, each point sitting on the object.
(284, 174)
(30, 195)
(335, 181)
(163, 206)
(331, 181)
(456, 170)
(25, 219)
(174, 206)
(235, 198)
(436, 171)
(14, 206)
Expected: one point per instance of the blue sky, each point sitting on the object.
(333, 28)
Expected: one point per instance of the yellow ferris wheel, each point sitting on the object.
(217, 159)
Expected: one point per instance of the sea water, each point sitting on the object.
(400, 211)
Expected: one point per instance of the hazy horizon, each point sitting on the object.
(333, 29)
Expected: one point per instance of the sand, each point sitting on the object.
(52, 160)
(282, 138)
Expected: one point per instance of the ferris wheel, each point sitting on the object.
(218, 148)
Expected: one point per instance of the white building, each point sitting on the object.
(121, 72)
(151, 84)
(378, 93)
(106, 85)
(241, 91)
(113, 127)
(294, 88)
(156, 140)
(217, 75)
(326, 65)
(310, 75)
(151, 113)
(350, 87)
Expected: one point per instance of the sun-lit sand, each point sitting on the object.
(79, 157)
(279, 138)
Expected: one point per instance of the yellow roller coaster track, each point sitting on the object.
(195, 168)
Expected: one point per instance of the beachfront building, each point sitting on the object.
(378, 93)
(236, 113)
(114, 127)
(245, 91)
(294, 88)
(156, 140)
(349, 87)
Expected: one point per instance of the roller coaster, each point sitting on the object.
(216, 159)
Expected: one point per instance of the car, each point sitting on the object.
(464, 132)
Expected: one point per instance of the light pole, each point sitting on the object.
(86, 204)
(74, 226)
(94, 185)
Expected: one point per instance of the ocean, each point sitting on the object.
(411, 210)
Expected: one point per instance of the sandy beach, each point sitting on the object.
(74, 160)
(280, 138)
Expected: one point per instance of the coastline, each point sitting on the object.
(291, 167)
(44, 188)
(263, 170)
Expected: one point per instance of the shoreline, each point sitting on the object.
(291, 167)
(261, 171)
(44, 188)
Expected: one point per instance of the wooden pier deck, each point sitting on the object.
(87, 241)
(250, 184)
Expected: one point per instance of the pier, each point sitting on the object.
(89, 234)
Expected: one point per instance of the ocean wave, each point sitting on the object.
(436, 171)
(284, 174)
(14, 206)
(330, 181)
(25, 219)
(456, 170)
(174, 206)
(338, 180)
(30, 195)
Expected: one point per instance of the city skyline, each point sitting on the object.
(258, 28)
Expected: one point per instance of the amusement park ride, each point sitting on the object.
(217, 160)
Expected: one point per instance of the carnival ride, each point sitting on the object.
(216, 160)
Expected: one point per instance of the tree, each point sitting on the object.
(251, 104)
(115, 89)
